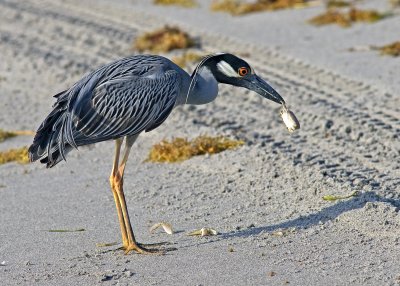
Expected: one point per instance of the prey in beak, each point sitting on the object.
(232, 70)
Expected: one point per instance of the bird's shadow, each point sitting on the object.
(321, 216)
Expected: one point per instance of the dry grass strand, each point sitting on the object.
(183, 3)
(335, 198)
(9, 134)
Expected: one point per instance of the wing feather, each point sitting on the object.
(127, 106)
(121, 98)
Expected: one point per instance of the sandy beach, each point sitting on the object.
(264, 198)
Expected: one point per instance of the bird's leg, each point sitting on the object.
(132, 245)
(113, 183)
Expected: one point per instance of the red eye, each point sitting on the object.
(243, 71)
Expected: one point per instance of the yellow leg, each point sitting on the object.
(113, 183)
(131, 244)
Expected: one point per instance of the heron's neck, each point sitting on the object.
(205, 89)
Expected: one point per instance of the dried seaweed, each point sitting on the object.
(187, 58)
(369, 16)
(331, 16)
(237, 7)
(183, 3)
(164, 40)
(19, 155)
(346, 18)
(392, 49)
(180, 149)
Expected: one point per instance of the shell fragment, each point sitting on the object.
(165, 225)
(203, 232)
(289, 119)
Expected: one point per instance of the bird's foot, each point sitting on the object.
(141, 248)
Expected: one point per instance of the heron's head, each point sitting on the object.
(229, 69)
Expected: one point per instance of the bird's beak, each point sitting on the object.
(257, 84)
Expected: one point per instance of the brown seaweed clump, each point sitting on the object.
(9, 134)
(369, 16)
(346, 19)
(19, 155)
(187, 58)
(180, 149)
(183, 3)
(392, 49)
(331, 16)
(237, 7)
(164, 40)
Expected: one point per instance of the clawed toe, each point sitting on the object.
(143, 248)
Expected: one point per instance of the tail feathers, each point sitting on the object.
(54, 138)
(43, 136)
(55, 157)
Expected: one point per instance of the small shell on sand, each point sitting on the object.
(203, 232)
(289, 119)
(166, 226)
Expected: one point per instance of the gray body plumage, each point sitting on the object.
(123, 98)
(132, 95)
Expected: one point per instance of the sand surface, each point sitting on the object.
(265, 198)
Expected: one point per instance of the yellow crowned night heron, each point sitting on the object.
(124, 98)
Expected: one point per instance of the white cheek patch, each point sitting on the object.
(227, 69)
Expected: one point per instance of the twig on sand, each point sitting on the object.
(335, 198)
(66, 230)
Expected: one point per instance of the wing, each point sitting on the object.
(125, 106)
